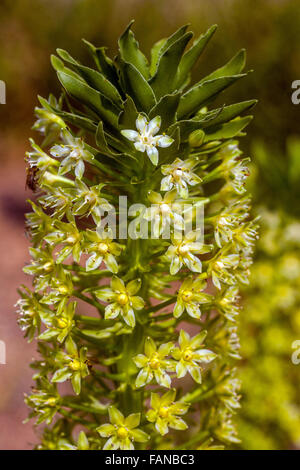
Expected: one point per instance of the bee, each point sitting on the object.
(31, 174)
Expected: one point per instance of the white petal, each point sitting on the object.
(141, 123)
(166, 183)
(165, 141)
(79, 169)
(152, 153)
(140, 147)
(130, 134)
(154, 125)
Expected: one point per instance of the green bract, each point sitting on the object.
(133, 155)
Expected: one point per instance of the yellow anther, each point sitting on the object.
(103, 248)
(122, 299)
(187, 355)
(75, 365)
(62, 323)
(48, 266)
(72, 239)
(51, 401)
(182, 249)
(154, 361)
(163, 412)
(187, 295)
(122, 433)
(63, 290)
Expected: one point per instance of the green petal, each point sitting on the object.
(129, 318)
(193, 310)
(106, 430)
(205, 355)
(140, 360)
(115, 416)
(93, 262)
(117, 284)
(184, 339)
(161, 426)
(181, 370)
(179, 308)
(195, 373)
(61, 375)
(162, 378)
(178, 423)
(144, 377)
(198, 339)
(134, 286)
(140, 436)
(76, 382)
(133, 420)
(150, 346)
(151, 416)
(137, 302)
(155, 400)
(168, 398)
(111, 263)
(111, 311)
(111, 444)
(71, 347)
(176, 265)
(164, 349)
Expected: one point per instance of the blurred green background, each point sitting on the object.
(30, 30)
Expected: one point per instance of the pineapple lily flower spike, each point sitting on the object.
(110, 306)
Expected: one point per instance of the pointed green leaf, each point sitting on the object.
(138, 88)
(163, 80)
(89, 96)
(155, 54)
(192, 55)
(233, 67)
(59, 66)
(130, 52)
(166, 108)
(101, 141)
(103, 62)
(227, 130)
(203, 92)
(93, 78)
(162, 45)
(129, 114)
(229, 112)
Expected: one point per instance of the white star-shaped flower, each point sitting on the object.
(145, 138)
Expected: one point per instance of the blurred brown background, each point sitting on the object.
(30, 30)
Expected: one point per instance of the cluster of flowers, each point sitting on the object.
(272, 311)
(139, 134)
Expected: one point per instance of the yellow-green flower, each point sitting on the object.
(182, 252)
(220, 269)
(162, 215)
(153, 364)
(70, 237)
(73, 153)
(101, 247)
(88, 201)
(179, 175)
(166, 413)
(189, 356)
(123, 299)
(74, 366)
(190, 297)
(122, 431)
(62, 324)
